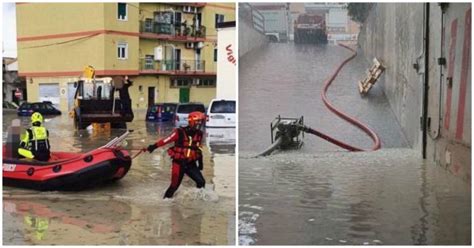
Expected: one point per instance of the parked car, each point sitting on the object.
(9, 106)
(221, 113)
(161, 112)
(221, 140)
(183, 110)
(44, 108)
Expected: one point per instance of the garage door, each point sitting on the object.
(49, 92)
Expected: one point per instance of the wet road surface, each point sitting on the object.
(386, 197)
(322, 194)
(286, 79)
(131, 211)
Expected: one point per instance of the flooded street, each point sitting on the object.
(286, 79)
(387, 197)
(131, 211)
(322, 194)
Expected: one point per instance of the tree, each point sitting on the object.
(359, 11)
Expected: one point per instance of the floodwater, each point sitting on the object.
(322, 194)
(388, 197)
(130, 211)
(286, 79)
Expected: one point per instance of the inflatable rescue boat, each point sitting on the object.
(68, 171)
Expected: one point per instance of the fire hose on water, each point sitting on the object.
(286, 133)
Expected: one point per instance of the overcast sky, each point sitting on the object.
(9, 30)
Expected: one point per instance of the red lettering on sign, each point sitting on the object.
(230, 57)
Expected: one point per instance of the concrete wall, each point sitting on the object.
(249, 38)
(394, 33)
(449, 140)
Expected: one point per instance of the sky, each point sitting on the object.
(9, 30)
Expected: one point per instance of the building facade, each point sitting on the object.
(169, 50)
(13, 87)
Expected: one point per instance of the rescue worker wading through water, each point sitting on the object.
(34, 142)
(186, 153)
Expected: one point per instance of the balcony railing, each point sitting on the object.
(189, 4)
(172, 66)
(173, 31)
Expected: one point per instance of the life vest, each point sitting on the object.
(37, 139)
(187, 147)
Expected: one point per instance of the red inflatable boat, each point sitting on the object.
(68, 171)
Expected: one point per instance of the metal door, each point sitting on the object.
(183, 95)
(177, 57)
(49, 92)
(151, 96)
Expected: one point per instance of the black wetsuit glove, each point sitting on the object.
(151, 148)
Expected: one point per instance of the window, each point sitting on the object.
(149, 63)
(219, 19)
(188, 108)
(223, 107)
(163, 22)
(215, 54)
(207, 82)
(122, 11)
(181, 82)
(148, 25)
(122, 50)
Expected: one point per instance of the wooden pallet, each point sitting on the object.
(373, 75)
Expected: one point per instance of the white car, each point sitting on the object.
(221, 140)
(183, 110)
(221, 113)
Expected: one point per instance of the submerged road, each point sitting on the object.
(287, 79)
(131, 211)
(322, 194)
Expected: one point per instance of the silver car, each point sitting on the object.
(183, 110)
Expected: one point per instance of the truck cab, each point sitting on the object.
(310, 28)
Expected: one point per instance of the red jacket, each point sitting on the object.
(187, 144)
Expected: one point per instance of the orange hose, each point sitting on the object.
(343, 115)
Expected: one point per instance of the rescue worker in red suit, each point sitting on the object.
(186, 153)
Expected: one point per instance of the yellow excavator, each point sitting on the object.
(95, 101)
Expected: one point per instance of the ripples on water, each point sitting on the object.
(386, 197)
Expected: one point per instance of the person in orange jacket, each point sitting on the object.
(186, 153)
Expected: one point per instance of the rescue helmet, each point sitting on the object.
(36, 117)
(195, 119)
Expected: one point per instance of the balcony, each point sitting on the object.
(173, 67)
(173, 32)
(189, 4)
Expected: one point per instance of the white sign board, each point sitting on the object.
(226, 87)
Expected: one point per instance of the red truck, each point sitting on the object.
(310, 28)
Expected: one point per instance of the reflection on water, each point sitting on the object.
(131, 211)
(386, 197)
(221, 140)
(42, 219)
